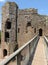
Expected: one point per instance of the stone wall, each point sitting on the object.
(9, 27)
(35, 20)
(25, 24)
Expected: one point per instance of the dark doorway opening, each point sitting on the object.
(40, 32)
(4, 52)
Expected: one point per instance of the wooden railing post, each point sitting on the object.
(29, 50)
(19, 59)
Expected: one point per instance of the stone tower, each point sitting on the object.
(9, 28)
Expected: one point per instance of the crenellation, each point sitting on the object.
(27, 11)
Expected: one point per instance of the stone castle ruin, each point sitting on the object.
(19, 26)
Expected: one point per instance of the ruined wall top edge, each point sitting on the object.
(10, 4)
(28, 11)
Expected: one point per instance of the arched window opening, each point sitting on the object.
(4, 52)
(18, 30)
(6, 36)
(8, 24)
(28, 24)
(34, 30)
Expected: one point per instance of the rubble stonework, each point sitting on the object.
(19, 26)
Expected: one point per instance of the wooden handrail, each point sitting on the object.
(6, 60)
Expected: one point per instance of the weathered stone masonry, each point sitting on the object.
(19, 26)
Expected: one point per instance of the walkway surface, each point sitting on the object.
(40, 57)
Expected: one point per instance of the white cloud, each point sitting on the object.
(2, 0)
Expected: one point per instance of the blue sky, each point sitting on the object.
(41, 5)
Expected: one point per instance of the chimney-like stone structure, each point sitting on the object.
(9, 28)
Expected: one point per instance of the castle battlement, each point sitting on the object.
(28, 11)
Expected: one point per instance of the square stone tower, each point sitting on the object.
(9, 28)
